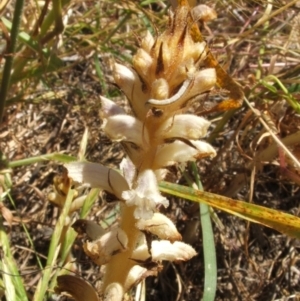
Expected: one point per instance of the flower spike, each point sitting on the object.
(169, 72)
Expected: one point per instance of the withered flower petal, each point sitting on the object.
(135, 276)
(108, 245)
(145, 196)
(147, 42)
(177, 251)
(204, 13)
(143, 61)
(164, 250)
(161, 226)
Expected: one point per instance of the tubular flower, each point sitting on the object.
(109, 244)
(166, 76)
(165, 250)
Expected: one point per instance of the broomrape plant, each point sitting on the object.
(167, 74)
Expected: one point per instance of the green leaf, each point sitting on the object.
(62, 158)
(269, 87)
(55, 246)
(209, 248)
(278, 220)
(13, 285)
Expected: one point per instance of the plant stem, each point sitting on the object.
(10, 55)
(118, 268)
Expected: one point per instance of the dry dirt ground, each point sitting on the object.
(254, 262)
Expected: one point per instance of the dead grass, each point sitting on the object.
(254, 263)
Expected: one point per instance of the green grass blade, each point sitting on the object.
(278, 220)
(100, 75)
(49, 61)
(62, 158)
(118, 26)
(53, 250)
(13, 285)
(210, 257)
(286, 94)
(25, 230)
(209, 248)
(71, 234)
(89, 202)
(25, 38)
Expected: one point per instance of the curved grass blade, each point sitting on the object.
(209, 248)
(278, 220)
(286, 94)
(62, 158)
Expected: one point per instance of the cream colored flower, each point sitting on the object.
(164, 250)
(145, 195)
(161, 226)
(108, 245)
(98, 176)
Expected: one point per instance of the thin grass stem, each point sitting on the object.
(10, 55)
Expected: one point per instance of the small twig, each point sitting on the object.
(277, 140)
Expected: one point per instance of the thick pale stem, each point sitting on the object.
(118, 268)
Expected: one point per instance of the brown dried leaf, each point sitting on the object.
(7, 215)
(161, 226)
